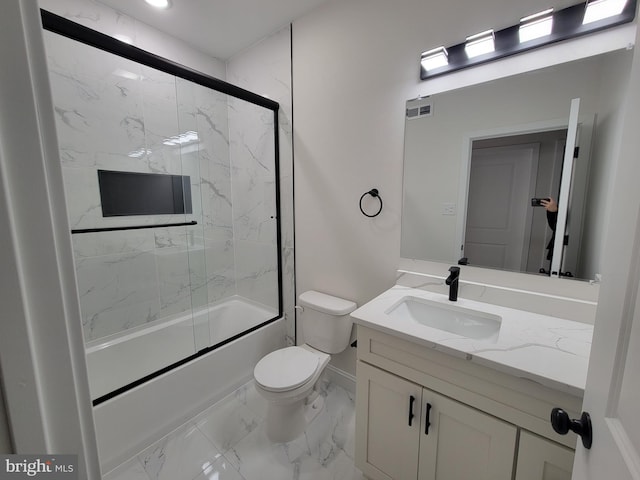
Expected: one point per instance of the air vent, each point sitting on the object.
(419, 107)
(412, 112)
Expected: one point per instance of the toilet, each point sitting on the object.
(287, 377)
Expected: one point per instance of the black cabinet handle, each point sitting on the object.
(561, 423)
(427, 423)
(411, 400)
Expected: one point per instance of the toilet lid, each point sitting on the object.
(285, 369)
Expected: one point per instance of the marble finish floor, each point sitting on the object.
(228, 442)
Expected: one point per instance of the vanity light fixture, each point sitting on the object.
(534, 31)
(163, 4)
(434, 58)
(601, 9)
(480, 44)
(536, 25)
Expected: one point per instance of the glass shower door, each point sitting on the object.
(172, 195)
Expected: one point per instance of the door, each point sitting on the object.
(462, 443)
(565, 187)
(501, 184)
(612, 393)
(387, 425)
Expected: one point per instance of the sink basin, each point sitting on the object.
(448, 317)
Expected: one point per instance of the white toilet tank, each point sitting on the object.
(326, 323)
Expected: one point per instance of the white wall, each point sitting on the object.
(355, 63)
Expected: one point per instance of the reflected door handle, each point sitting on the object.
(561, 423)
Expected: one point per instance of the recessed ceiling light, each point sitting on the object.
(158, 3)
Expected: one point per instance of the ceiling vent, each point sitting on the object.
(419, 107)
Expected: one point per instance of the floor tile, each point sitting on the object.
(256, 457)
(336, 423)
(131, 470)
(228, 422)
(228, 442)
(323, 451)
(182, 455)
(249, 396)
(221, 469)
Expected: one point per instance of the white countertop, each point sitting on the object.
(551, 351)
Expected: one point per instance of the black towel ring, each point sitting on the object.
(374, 193)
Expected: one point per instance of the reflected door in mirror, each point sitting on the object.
(502, 180)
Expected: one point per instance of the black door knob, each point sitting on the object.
(561, 423)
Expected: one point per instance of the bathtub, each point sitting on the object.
(122, 359)
(131, 421)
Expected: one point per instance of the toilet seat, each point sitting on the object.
(286, 369)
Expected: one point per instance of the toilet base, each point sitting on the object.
(286, 422)
(313, 409)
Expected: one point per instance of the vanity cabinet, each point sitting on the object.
(423, 414)
(413, 432)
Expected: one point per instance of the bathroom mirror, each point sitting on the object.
(475, 158)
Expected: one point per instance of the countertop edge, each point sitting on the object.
(573, 390)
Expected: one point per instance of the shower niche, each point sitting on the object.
(132, 193)
(171, 185)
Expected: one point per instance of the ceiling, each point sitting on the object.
(220, 28)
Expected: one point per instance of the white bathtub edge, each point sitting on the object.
(123, 428)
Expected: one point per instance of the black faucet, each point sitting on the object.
(452, 281)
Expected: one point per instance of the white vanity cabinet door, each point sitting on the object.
(463, 443)
(540, 459)
(387, 446)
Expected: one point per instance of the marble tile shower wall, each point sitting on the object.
(117, 115)
(252, 148)
(265, 68)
